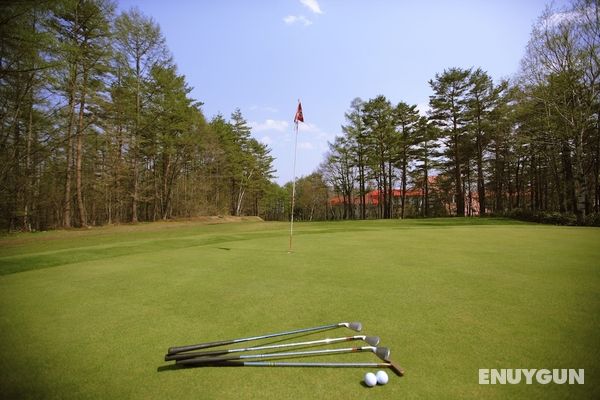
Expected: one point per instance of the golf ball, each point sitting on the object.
(382, 377)
(370, 379)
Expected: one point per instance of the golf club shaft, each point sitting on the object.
(372, 340)
(174, 350)
(389, 364)
(204, 360)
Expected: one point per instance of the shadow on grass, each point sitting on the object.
(170, 367)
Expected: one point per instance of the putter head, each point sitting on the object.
(396, 368)
(372, 340)
(383, 353)
(355, 326)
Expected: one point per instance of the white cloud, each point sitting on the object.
(315, 131)
(312, 137)
(269, 125)
(313, 5)
(301, 19)
(423, 109)
(266, 140)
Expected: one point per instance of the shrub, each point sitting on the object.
(544, 217)
(592, 219)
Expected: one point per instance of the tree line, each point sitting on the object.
(97, 126)
(526, 147)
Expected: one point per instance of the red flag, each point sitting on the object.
(299, 116)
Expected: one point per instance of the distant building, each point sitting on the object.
(415, 198)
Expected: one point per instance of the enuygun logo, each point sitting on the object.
(530, 376)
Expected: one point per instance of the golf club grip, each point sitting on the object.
(207, 360)
(181, 349)
(185, 356)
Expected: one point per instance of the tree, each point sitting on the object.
(378, 119)
(358, 141)
(312, 197)
(338, 169)
(242, 160)
(174, 115)
(448, 105)
(259, 185)
(406, 118)
(425, 155)
(561, 69)
(502, 147)
(139, 46)
(25, 66)
(480, 99)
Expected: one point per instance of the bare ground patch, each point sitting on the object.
(17, 239)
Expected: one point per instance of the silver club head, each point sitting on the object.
(383, 353)
(372, 340)
(355, 326)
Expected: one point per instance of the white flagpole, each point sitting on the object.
(293, 190)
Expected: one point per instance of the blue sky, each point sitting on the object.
(262, 56)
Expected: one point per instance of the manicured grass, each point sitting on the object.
(89, 314)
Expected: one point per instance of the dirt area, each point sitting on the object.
(15, 239)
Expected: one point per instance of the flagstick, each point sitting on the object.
(293, 190)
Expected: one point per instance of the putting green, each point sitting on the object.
(90, 314)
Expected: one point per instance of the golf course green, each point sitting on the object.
(89, 314)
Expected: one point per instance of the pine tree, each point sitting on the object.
(378, 119)
(406, 119)
(139, 47)
(448, 112)
(357, 140)
(481, 98)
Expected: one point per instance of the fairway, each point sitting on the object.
(90, 314)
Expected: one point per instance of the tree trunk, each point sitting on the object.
(403, 187)
(27, 218)
(390, 197)
(426, 187)
(597, 167)
(568, 171)
(135, 144)
(460, 196)
(480, 177)
(361, 180)
(69, 148)
(558, 184)
(498, 173)
(532, 183)
(469, 192)
(165, 188)
(134, 195)
(509, 186)
(580, 183)
(79, 153)
(518, 179)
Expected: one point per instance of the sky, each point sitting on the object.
(263, 56)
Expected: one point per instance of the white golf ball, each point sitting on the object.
(370, 379)
(382, 377)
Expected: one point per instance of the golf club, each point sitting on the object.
(371, 340)
(388, 364)
(356, 326)
(381, 352)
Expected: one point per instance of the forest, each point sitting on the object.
(98, 127)
(526, 147)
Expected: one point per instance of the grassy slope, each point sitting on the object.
(93, 312)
